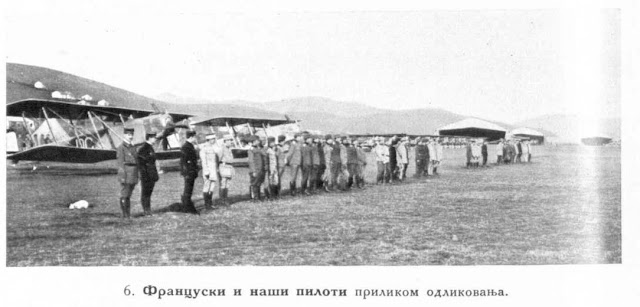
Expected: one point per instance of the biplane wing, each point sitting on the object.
(68, 154)
(32, 107)
(76, 148)
(239, 120)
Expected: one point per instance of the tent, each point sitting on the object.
(473, 127)
(528, 133)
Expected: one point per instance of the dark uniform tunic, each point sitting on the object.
(148, 170)
(294, 159)
(257, 166)
(422, 159)
(188, 167)
(322, 166)
(307, 164)
(127, 157)
(485, 153)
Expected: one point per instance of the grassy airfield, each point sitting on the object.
(563, 208)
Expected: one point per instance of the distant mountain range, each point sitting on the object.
(315, 113)
(324, 114)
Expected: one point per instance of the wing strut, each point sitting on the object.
(108, 128)
(46, 118)
(95, 128)
(233, 133)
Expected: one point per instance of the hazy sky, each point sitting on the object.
(506, 65)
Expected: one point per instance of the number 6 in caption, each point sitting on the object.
(127, 292)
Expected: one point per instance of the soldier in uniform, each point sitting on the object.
(485, 153)
(437, 155)
(257, 168)
(307, 163)
(148, 171)
(189, 170)
(402, 157)
(226, 168)
(382, 159)
(272, 168)
(281, 153)
(352, 163)
(362, 164)
(469, 151)
(393, 159)
(315, 164)
(499, 151)
(294, 159)
(127, 157)
(336, 162)
(327, 149)
(209, 159)
(323, 164)
(422, 158)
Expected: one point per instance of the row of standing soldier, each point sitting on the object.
(392, 158)
(329, 163)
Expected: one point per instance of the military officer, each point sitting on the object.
(281, 153)
(422, 157)
(307, 163)
(327, 148)
(209, 160)
(226, 168)
(272, 168)
(127, 157)
(257, 168)
(189, 170)
(336, 162)
(317, 161)
(148, 171)
(294, 160)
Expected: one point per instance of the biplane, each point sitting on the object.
(51, 122)
(83, 133)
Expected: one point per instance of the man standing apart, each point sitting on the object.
(148, 171)
(485, 152)
(127, 157)
(209, 158)
(189, 170)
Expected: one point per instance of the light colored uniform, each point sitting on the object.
(209, 160)
(273, 166)
(226, 157)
